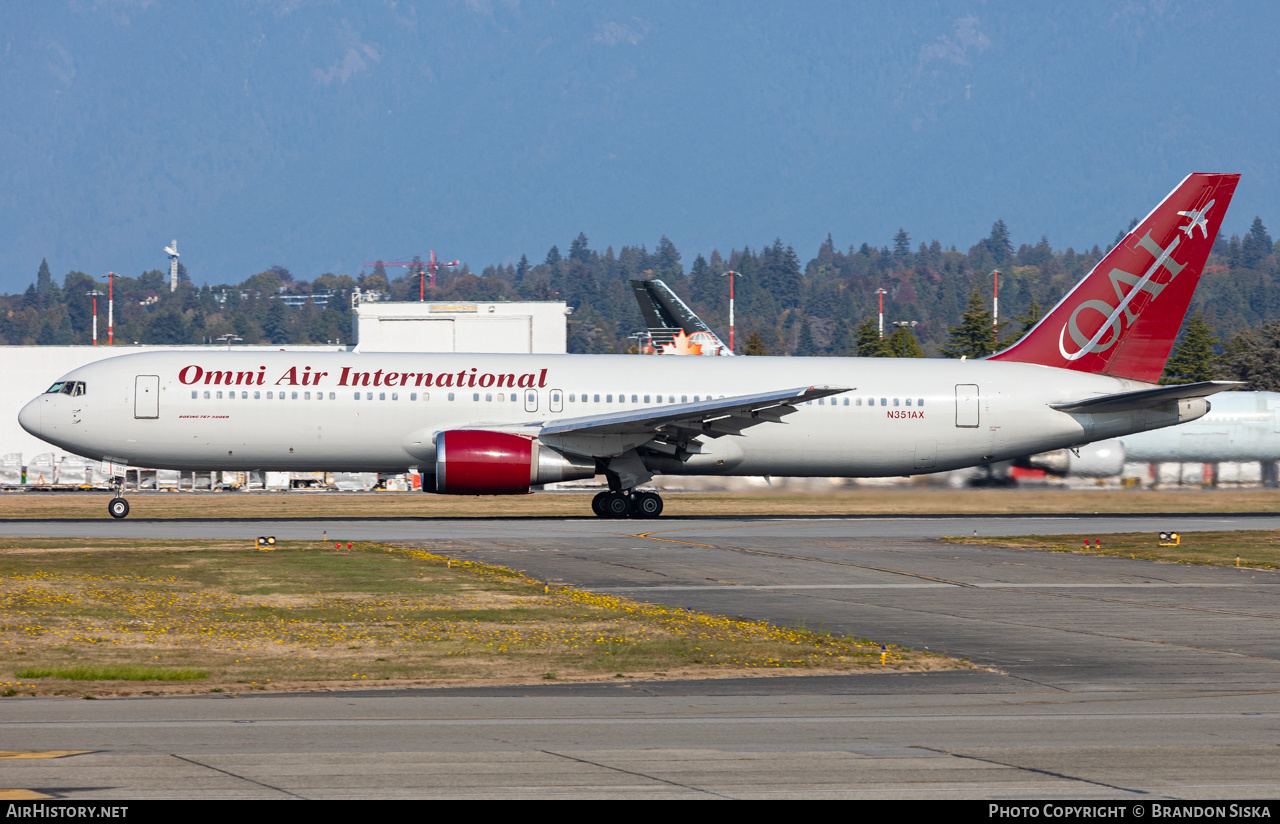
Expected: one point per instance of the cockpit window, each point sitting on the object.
(55, 389)
(79, 390)
(66, 388)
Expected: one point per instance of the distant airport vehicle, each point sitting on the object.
(1241, 427)
(499, 424)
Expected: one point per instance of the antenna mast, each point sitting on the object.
(172, 252)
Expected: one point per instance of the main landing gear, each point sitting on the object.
(118, 507)
(630, 504)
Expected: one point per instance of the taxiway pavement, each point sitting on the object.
(1103, 677)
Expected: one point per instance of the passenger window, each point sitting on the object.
(206, 395)
(331, 396)
(413, 396)
(858, 402)
(597, 399)
(884, 401)
(908, 401)
(919, 401)
(395, 396)
(357, 396)
(895, 401)
(450, 396)
(368, 396)
(634, 399)
(219, 395)
(193, 394)
(684, 399)
(488, 396)
(257, 395)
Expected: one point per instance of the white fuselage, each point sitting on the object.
(380, 411)
(1243, 426)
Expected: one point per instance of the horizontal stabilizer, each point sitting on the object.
(1145, 398)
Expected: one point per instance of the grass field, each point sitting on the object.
(1254, 549)
(97, 617)
(896, 501)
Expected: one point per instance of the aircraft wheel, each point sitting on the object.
(597, 503)
(118, 508)
(648, 505)
(617, 505)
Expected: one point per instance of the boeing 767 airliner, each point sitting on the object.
(499, 424)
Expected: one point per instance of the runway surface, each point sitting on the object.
(1105, 677)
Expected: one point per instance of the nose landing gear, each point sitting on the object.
(630, 504)
(118, 507)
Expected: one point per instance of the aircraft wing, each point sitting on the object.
(674, 424)
(1145, 398)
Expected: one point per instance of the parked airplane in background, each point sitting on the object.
(499, 424)
(669, 322)
(1243, 426)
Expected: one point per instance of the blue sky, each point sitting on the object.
(318, 135)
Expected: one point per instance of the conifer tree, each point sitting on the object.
(44, 278)
(755, 345)
(868, 343)
(1254, 357)
(972, 337)
(805, 347)
(1193, 358)
(903, 344)
(999, 244)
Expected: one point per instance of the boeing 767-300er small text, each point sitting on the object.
(501, 424)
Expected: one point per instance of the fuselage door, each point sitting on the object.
(531, 400)
(146, 396)
(967, 405)
(556, 400)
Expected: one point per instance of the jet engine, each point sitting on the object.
(1104, 459)
(478, 462)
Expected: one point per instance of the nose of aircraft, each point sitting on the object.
(29, 417)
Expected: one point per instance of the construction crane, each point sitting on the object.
(422, 268)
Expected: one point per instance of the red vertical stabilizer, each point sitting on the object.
(1123, 318)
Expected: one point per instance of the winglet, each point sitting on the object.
(1123, 318)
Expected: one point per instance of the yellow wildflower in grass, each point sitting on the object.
(220, 606)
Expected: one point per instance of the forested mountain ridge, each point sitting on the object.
(782, 306)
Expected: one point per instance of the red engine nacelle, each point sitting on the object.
(476, 462)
